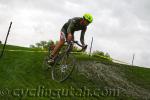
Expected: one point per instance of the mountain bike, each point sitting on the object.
(64, 62)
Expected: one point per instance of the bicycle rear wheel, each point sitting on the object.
(63, 67)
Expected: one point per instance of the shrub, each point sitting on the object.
(102, 55)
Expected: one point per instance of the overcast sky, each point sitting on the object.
(120, 27)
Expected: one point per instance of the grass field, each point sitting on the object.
(22, 78)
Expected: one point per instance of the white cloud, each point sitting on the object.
(120, 27)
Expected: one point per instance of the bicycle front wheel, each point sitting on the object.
(63, 67)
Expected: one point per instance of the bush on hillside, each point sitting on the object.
(45, 45)
(32, 46)
(100, 54)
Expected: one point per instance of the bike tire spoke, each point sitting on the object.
(63, 68)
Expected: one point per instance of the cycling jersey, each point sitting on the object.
(73, 25)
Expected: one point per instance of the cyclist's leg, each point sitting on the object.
(58, 45)
(72, 39)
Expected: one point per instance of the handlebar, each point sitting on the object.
(76, 42)
(83, 47)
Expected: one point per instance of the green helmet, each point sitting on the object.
(88, 17)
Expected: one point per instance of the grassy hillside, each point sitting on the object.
(11, 47)
(22, 78)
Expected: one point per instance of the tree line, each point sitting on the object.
(44, 45)
(49, 45)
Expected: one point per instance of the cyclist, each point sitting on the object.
(67, 32)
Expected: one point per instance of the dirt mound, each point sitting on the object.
(112, 76)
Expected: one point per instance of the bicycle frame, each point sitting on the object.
(64, 63)
(70, 44)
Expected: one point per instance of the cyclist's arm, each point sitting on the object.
(82, 36)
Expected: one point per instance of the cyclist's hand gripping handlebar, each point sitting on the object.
(84, 47)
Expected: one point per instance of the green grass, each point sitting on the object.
(11, 47)
(23, 70)
(138, 75)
